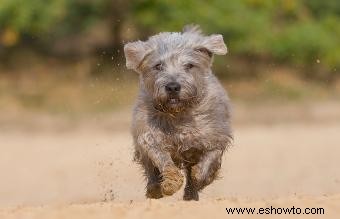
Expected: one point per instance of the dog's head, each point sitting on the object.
(173, 66)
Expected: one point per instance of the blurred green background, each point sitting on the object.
(53, 52)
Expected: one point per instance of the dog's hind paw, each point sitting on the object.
(154, 191)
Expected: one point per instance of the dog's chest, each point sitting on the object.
(185, 143)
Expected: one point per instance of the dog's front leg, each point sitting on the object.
(206, 170)
(172, 179)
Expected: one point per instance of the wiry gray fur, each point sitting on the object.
(187, 129)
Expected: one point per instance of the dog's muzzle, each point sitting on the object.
(173, 88)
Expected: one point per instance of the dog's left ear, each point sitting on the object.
(135, 52)
(215, 44)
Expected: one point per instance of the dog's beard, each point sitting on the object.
(167, 103)
(174, 104)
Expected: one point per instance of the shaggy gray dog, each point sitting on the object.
(181, 119)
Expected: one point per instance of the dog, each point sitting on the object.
(181, 119)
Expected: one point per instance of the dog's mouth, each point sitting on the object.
(170, 104)
(173, 104)
(173, 101)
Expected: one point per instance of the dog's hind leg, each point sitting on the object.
(154, 178)
(190, 191)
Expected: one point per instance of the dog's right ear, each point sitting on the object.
(215, 44)
(192, 28)
(135, 52)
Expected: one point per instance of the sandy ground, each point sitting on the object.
(281, 157)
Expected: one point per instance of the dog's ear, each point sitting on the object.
(214, 44)
(192, 28)
(135, 52)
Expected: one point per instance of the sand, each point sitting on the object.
(53, 170)
(179, 209)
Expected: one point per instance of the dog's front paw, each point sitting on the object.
(201, 179)
(172, 180)
(197, 176)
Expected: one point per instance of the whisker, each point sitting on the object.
(188, 98)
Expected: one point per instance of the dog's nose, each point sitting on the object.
(173, 87)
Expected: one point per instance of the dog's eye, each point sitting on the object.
(188, 66)
(158, 67)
